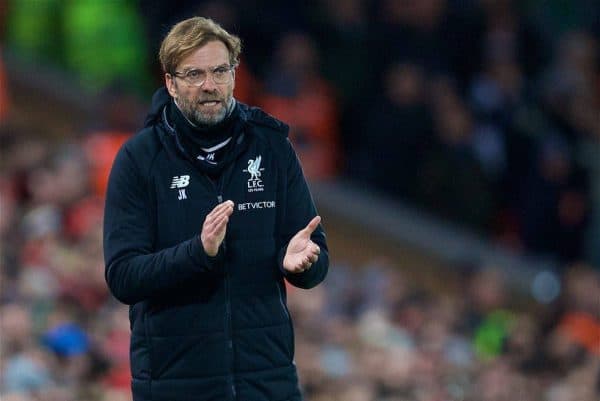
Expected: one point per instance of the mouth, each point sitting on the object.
(209, 103)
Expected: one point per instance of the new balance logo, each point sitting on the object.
(210, 156)
(180, 181)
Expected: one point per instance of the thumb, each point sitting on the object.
(312, 226)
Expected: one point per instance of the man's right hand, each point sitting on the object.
(215, 227)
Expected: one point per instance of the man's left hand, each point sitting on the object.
(301, 251)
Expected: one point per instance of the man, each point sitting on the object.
(207, 212)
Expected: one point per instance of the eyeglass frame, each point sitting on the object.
(210, 72)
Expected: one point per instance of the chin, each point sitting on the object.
(210, 120)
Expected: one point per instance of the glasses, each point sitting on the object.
(195, 77)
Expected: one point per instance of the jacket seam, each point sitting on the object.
(152, 162)
(148, 340)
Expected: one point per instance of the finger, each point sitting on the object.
(312, 225)
(226, 206)
(220, 207)
(228, 203)
(302, 265)
(314, 258)
(220, 210)
(215, 214)
(217, 225)
(210, 219)
(314, 248)
(226, 211)
(295, 269)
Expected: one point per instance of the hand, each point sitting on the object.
(301, 251)
(215, 227)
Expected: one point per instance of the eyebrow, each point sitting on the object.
(202, 70)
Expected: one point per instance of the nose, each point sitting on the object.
(209, 84)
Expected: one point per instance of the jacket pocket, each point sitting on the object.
(188, 357)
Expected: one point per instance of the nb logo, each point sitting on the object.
(210, 156)
(180, 181)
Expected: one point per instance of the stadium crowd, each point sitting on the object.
(482, 112)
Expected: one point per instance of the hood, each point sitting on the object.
(159, 100)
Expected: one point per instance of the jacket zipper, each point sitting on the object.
(228, 317)
(228, 323)
(228, 330)
(219, 191)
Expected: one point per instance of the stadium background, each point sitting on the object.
(453, 147)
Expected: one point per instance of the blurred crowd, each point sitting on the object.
(370, 334)
(481, 112)
(485, 113)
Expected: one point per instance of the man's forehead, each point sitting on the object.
(209, 55)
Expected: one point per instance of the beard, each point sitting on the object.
(191, 109)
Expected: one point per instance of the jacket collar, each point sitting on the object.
(159, 115)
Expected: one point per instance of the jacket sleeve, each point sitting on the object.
(134, 270)
(299, 210)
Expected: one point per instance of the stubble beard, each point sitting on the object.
(190, 109)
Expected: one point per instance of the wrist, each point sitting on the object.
(208, 250)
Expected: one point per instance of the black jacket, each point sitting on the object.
(208, 328)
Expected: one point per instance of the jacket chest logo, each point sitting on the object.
(179, 182)
(255, 183)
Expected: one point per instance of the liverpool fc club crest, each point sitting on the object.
(255, 183)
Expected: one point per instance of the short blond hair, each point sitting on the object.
(190, 34)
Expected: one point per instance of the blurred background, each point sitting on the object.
(453, 149)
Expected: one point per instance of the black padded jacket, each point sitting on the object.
(208, 328)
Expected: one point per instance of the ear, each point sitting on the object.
(171, 85)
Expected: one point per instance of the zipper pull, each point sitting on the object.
(220, 198)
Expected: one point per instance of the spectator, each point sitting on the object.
(342, 29)
(343, 32)
(223, 12)
(509, 37)
(295, 92)
(452, 182)
(396, 134)
(553, 204)
(413, 31)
